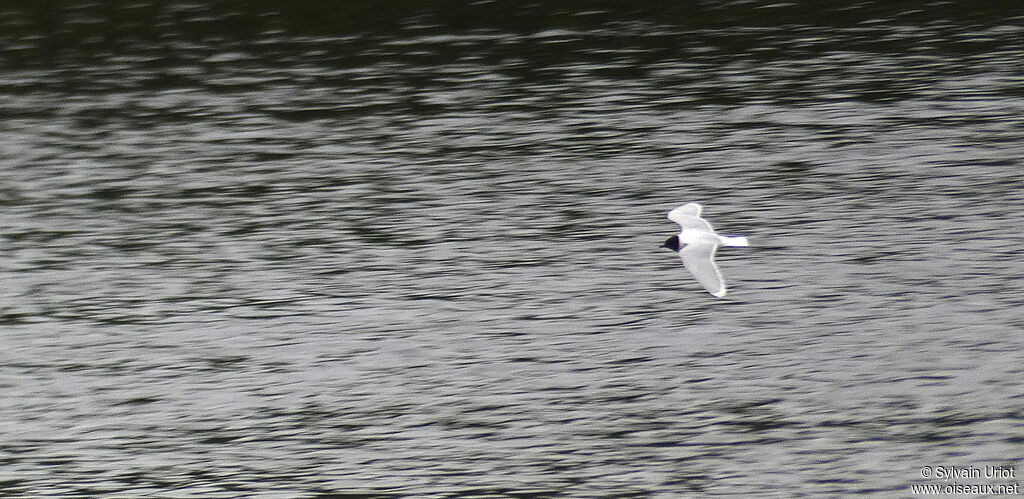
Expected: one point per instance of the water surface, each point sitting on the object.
(277, 253)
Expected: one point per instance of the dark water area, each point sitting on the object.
(310, 250)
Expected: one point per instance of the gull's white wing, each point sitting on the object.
(688, 209)
(688, 217)
(699, 259)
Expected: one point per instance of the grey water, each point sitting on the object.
(296, 253)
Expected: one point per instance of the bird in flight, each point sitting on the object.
(696, 244)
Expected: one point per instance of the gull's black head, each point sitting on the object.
(672, 243)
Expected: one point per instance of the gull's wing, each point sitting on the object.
(688, 209)
(699, 259)
(688, 217)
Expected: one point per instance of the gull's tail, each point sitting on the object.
(733, 241)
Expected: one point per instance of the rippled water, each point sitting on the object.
(424, 260)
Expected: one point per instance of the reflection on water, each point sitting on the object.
(251, 253)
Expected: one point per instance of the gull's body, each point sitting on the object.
(697, 243)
